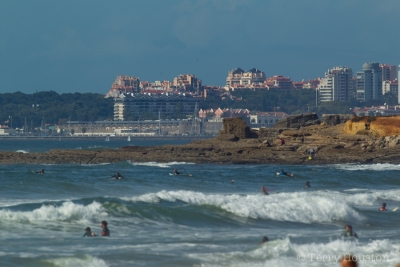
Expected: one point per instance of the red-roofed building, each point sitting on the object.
(124, 84)
(279, 82)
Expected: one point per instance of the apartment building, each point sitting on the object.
(188, 83)
(337, 85)
(124, 84)
(240, 78)
(166, 104)
(279, 82)
(369, 82)
(390, 87)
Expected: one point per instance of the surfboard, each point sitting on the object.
(395, 208)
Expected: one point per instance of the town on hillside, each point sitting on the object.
(187, 107)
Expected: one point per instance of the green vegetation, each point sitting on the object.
(58, 108)
(290, 101)
(53, 107)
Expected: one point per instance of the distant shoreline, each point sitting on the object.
(103, 137)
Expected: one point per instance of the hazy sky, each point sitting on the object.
(81, 46)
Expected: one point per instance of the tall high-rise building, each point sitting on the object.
(369, 82)
(337, 85)
(398, 86)
(388, 72)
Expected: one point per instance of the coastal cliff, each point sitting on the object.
(333, 141)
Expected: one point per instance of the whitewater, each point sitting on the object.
(201, 220)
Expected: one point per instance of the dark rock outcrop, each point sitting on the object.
(298, 121)
(235, 129)
(335, 119)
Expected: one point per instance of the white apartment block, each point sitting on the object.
(337, 85)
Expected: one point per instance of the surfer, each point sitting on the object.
(282, 172)
(348, 261)
(348, 232)
(117, 176)
(176, 172)
(105, 231)
(264, 190)
(307, 185)
(88, 232)
(383, 208)
(41, 171)
(265, 239)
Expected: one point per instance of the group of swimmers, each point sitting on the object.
(104, 232)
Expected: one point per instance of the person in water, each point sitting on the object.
(281, 172)
(105, 231)
(41, 171)
(117, 176)
(88, 232)
(264, 190)
(383, 208)
(265, 239)
(348, 261)
(348, 232)
(307, 185)
(176, 172)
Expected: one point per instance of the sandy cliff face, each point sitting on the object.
(375, 126)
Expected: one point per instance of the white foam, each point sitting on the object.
(295, 207)
(365, 167)
(282, 253)
(67, 211)
(85, 261)
(157, 164)
(367, 198)
(22, 151)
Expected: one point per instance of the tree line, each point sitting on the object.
(49, 107)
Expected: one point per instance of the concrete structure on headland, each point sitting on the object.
(124, 84)
(266, 119)
(369, 82)
(337, 85)
(134, 106)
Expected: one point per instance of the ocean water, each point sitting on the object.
(197, 219)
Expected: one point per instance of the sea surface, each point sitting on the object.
(197, 219)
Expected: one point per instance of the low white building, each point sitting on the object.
(7, 131)
(266, 119)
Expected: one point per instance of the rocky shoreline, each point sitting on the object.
(237, 144)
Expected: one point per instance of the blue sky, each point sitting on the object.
(81, 46)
